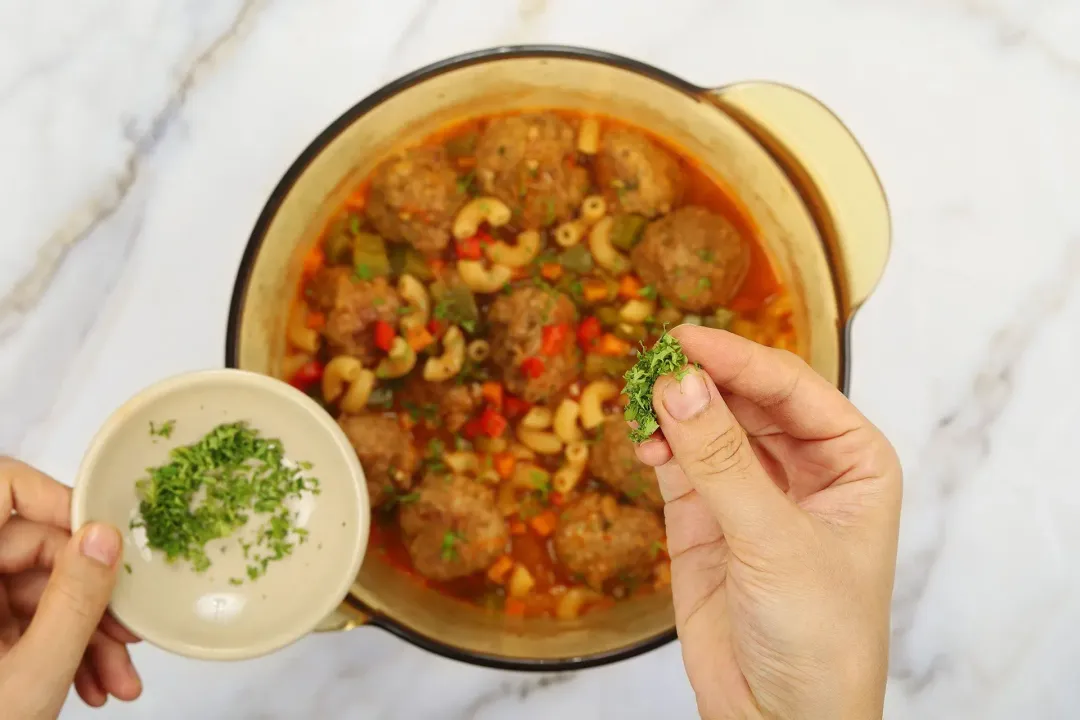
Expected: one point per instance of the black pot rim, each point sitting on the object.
(273, 204)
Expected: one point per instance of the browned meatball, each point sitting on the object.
(386, 453)
(613, 460)
(529, 162)
(517, 324)
(645, 177)
(694, 258)
(446, 403)
(352, 306)
(414, 199)
(453, 528)
(599, 539)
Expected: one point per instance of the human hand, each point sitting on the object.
(782, 514)
(54, 590)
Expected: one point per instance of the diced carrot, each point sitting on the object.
(405, 420)
(504, 464)
(469, 248)
(544, 523)
(594, 290)
(517, 528)
(492, 392)
(313, 261)
(629, 287)
(515, 607)
(466, 161)
(519, 273)
(418, 338)
(558, 499)
(437, 266)
(492, 423)
(316, 321)
(612, 345)
(356, 200)
(551, 271)
(500, 569)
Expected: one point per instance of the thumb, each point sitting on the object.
(71, 607)
(715, 455)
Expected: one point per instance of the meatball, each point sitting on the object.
(386, 453)
(599, 539)
(613, 460)
(414, 199)
(444, 402)
(352, 306)
(529, 162)
(694, 258)
(517, 323)
(646, 178)
(453, 528)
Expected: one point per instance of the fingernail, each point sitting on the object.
(687, 397)
(101, 543)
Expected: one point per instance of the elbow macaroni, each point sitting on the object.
(603, 252)
(447, 365)
(414, 294)
(515, 256)
(569, 233)
(539, 441)
(593, 209)
(636, 311)
(588, 139)
(565, 422)
(492, 210)
(300, 335)
(482, 280)
(592, 402)
(398, 362)
(478, 350)
(566, 477)
(462, 462)
(537, 418)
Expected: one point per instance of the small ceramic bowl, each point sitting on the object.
(220, 614)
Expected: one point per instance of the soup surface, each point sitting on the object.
(468, 316)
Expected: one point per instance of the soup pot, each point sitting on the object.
(806, 184)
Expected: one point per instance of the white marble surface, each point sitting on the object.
(140, 138)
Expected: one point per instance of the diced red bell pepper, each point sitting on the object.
(435, 327)
(492, 423)
(533, 367)
(553, 338)
(384, 335)
(588, 331)
(472, 429)
(469, 248)
(309, 373)
(514, 406)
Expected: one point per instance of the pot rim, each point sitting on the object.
(273, 205)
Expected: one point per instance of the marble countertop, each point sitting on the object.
(140, 139)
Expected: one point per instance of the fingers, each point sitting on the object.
(25, 591)
(113, 668)
(797, 399)
(33, 495)
(25, 545)
(718, 462)
(88, 687)
(71, 607)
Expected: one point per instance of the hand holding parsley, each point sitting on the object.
(782, 519)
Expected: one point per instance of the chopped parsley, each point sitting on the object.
(164, 430)
(706, 255)
(127, 568)
(363, 271)
(655, 549)
(354, 225)
(541, 483)
(549, 211)
(466, 185)
(648, 292)
(449, 545)
(703, 283)
(666, 357)
(213, 487)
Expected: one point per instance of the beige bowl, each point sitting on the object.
(204, 615)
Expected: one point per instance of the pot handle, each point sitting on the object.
(831, 171)
(345, 617)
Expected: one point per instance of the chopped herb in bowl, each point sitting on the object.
(666, 357)
(212, 488)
